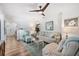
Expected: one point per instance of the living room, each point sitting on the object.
(38, 28)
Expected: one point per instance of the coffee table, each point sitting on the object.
(39, 43)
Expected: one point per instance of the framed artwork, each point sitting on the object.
(73, 22)
(49, 25)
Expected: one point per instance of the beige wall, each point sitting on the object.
(71, 30)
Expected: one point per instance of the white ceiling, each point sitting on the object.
(18, 8)
(19, 12)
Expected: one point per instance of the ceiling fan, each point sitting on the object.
(41, 9)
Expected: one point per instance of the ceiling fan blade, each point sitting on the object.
(43, 9)
(35, 11)
(43, 14)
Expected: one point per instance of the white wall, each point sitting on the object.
(56, 12)
(19, 13)
(59, 12)
(2, 25)
(53, 14)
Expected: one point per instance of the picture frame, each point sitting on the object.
(49, 25)
(73, 22)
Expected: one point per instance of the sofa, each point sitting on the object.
(66, 47)
(56, 36)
